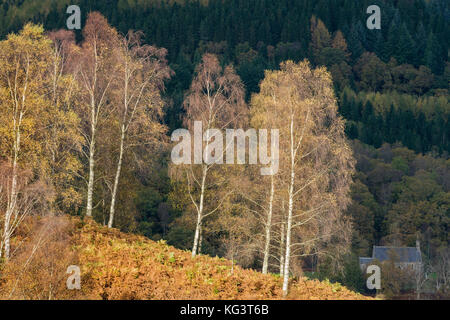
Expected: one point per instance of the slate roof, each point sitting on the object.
(402, 254)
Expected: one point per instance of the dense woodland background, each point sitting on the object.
(392, 89)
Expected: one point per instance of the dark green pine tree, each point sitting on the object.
(392, 39)
(391, 127)
(362, 34)
(432, 58)
(372, 126)
(368, 112)
(421, 45)
(404, 51)
(371, 39)
(380, 47)
(354, 43)
(392, 36)
(376, 125)
(420, 128)
(356, 109)
(408, 134)
(351, 130)
(344, 106)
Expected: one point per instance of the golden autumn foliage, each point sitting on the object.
(116, 265)
(39, 139)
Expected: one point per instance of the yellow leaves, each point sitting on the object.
(34, 105)
(32, 31)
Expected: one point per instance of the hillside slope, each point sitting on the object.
(132, 267)
(116, 265)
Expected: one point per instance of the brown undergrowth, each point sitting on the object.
(116, 265)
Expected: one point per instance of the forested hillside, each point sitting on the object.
(392, 102)
(409, 53)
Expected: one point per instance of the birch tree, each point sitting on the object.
(258, 195)
(316, 163)
(214, 101)
(96, 68)
(24, 60)
(268, 226)
(265, 186)
(62, 143)
(143, 71)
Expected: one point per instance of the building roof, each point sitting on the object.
(400, 254)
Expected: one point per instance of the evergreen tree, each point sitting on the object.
(320, 38)
(380, 47)
(404, 50)
(392, 38)
(432, 56)
(421, 44)
(354, 43)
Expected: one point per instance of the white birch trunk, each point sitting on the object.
(12, 197)
(116, 179)
(199, 214)
(289, 220)
(268, 227)
(90, 189)
(12, 201)
(282, 244)
(200, 241)
(9, 213)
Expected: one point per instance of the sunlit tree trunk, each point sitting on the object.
(290, 210)
(90, 189)
(216, 99)
(116, 179)
(96, 69)
(200, 242)
(144, 72)
(318, 163)
(268, 227)
(282, 240)
(12, 195)
(18, 114)
(198, 226)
